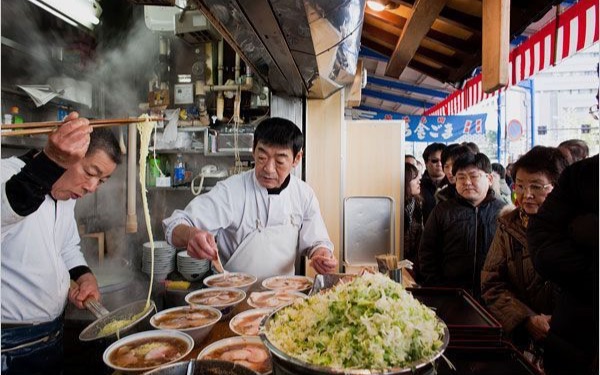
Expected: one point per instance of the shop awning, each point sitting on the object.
(570, 32)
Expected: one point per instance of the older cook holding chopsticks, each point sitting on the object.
(40, 243)
(264, 219)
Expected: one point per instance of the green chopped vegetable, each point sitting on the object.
(369, 323)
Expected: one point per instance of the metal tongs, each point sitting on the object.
(95, 308)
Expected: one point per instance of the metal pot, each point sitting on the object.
(284, 364)
(203, 367)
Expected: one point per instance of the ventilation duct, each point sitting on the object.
(301, 48)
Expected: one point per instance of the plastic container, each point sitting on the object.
(154, 167)
(179, 171)
(16, 117)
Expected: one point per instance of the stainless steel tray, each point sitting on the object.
(368, 228)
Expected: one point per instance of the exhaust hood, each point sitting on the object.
(302, 48)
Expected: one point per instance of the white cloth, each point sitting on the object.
(277, 243)
(38, 251)
(232, 209)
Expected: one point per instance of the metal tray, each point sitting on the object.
(368, 228)
(324, 282)
(465, 317)
(499, 359)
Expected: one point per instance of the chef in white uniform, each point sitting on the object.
(263, 219)
(40, 243)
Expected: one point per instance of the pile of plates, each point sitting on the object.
(192, 269)
(164, 259)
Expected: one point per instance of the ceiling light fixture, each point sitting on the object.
(376, 5)
(53, 12)
(74, 12)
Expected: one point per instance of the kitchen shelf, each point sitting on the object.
(32, 141)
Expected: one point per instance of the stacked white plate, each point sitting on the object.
(191, 269)
(164, 259)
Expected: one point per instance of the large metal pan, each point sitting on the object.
(92, 332)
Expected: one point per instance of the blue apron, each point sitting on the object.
(32, 348)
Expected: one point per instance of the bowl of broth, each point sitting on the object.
(147, 350)
(195, 321)
(247, 351)
(237, 280)
(223, 299)
(247, 323)
(291, 282)
(273, 299)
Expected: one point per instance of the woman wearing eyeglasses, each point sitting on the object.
(513, 291)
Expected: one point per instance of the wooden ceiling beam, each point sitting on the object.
(453, 16)
(373, 33)
(496, 44)
(424, 14)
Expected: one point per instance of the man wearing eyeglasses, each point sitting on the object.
(459, 231)
(432, 177)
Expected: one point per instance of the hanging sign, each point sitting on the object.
(430, 128)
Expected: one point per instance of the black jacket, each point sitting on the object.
(563, 239)
(455, 242)
(428, 189)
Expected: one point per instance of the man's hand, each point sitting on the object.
(538, 326)
(323, 261)
(201, 244)
(69, 142)
(85, 287)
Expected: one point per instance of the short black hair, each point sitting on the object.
(547, 160)
(446, 151)
(430, 149)
(103, 139)
(471, 146)
(578, 149)
(479, 161)
(498, 168)
(455, 153)
(277, 131)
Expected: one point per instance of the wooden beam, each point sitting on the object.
(495, 44)
(424, 14)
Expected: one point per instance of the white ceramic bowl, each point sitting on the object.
(237, 340)
(291, 282)
(259, 314)
(225, 307)
(218, 279)
(198, 333)
(273, 299)
(189, 343)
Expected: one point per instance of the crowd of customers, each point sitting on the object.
(522, 240)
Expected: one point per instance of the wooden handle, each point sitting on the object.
(32, 128)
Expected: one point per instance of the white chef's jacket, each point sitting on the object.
(38, 251)
(231, 210)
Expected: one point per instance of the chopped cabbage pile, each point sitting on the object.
(369, 323)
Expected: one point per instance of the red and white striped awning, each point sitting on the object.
(574, 30)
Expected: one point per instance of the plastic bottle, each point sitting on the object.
(179, 171)
(153, 170)
(16, 117)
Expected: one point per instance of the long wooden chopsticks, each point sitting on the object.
(29, 128)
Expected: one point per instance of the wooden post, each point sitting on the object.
(495, 44)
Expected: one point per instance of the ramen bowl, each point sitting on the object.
(223, 299)
(247, 323)
(147, 350)
(237, 280)
(247, 351)
(195, 321)
(289, 282)
(273, 299)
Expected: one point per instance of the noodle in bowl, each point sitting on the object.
(237, 280)
(195, 321)
(147, 350)
(224, 299)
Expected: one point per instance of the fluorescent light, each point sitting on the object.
(83, 12)
(52, 11)
(375, 5)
